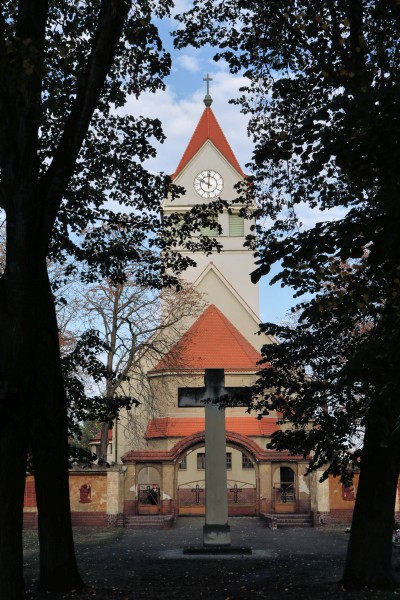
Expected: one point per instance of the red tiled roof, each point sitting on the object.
(184, 444)
(212, 342)
(97, 437)
(208, 129)
(184, 426)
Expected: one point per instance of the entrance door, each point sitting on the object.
(148, 499)
(284, 492)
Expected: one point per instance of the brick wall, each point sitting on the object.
(90, 513)
(30, 520)
(130, 507)
(30, 494)
(340, 516)
(88, 519)
(303, 505)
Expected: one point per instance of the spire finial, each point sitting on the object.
(207, 98)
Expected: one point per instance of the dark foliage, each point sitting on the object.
(324, 100)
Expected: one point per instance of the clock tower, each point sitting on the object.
(171, 456)
(209, 170)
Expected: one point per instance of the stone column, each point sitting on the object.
(265, 487)
(115, 487)
(168, 489)
(216, 531)
(320, 503)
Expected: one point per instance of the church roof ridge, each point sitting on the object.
(162, 427)
(211, 342)
(208, 128)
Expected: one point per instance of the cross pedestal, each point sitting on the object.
(216, 531)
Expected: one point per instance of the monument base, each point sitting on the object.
(216, 535)
(219, 550)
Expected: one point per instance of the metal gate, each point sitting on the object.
(284, 497)
(242, 498)
(192, 498)
(148, 499)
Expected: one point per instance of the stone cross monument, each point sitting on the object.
(216, 531)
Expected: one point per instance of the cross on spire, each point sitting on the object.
(207, 99)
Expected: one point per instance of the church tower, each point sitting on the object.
(209, 170)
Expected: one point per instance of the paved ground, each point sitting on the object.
(301, 564)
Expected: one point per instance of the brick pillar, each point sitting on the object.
(168, 489)
(320, 503)
(265, 487)
(115, 496)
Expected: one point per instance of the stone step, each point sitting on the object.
(149, 521)
(294, 520)
(288, 520)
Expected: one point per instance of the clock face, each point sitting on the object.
(208, 184)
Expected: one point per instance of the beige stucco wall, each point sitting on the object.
(208, 157)
(319, 493)
(98, 492)
(236, 473)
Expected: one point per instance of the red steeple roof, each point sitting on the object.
(208, 129)
(212, 342)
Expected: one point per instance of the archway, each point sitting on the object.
(242, 475)
(284, 490)
(149, 496)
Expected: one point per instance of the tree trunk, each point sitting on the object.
(49, 443)
(105, 428)
(369, 554)
(33, 409)
(13, 450)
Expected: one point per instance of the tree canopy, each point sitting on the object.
(71, 164)
(324, 100)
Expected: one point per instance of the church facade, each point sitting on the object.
(171, 456)
(158, 456)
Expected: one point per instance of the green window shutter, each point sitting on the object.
(236, 226)
(209, 231)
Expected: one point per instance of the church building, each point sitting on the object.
(224, 336)
(157, 454)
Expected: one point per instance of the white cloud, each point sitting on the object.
(188, 62)
(180, 114)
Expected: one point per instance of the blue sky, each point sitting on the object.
(179, 108)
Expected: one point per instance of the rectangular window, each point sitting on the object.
(209, 231)
(246, 462)
(236, 226)
(201, 461)
(183, 463)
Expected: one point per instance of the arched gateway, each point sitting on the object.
(242, 477)
(254, 476)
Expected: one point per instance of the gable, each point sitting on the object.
(211, 342)
(208, 128)
(220, 292)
